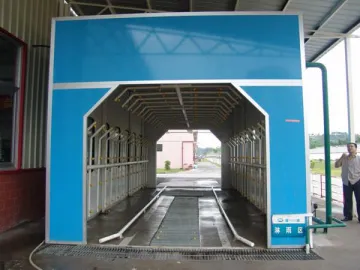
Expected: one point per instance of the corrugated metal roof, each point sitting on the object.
(260, 5)
(170, 5)
(325, 21)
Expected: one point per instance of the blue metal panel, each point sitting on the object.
(287, 151)
(183, 48)
(66, 175)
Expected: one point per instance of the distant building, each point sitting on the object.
(178, 147)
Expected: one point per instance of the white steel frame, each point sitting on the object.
(234, 83)
(114, 84)
(108, 178)
(248, 165)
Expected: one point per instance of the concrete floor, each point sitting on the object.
(206, 175)
(340, 248)
(214, 232)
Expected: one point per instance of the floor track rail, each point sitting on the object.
(236, 235)
(120, 233)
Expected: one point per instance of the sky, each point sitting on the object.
(207, 139)
(335, 64)
(334, 61)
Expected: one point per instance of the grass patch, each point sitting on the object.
(216, 164)
(319, 168)
(159, 171)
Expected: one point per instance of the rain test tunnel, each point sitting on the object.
(118, 83)
(118, 162)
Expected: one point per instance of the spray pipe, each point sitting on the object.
(328, 206)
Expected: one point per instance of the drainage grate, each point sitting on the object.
(112, 253)
(175, 230)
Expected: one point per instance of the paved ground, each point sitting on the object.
(206, 175)
(341, 252)
(151, 227)
(340, 249)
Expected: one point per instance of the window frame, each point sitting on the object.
(159, 144)
(18, 104)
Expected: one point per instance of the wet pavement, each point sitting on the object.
(205, 175)
(339, 248)
(17, 244)
(213, 229)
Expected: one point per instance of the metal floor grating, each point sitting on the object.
(112, 253)
(175, 230)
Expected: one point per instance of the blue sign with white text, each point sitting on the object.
(288, 230)
(288, 225)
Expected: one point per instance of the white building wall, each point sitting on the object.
(177, 148)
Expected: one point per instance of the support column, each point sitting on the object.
(349, 90)
(350, 98)
(151, 165)
(225, 167)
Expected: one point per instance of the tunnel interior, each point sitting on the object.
(122, 132)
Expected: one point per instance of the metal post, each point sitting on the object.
(90, 185)
(242, 166)
(326, 140)
(350, 97)
(349, 90)
(118, 170)
(262, 182)
(237, 176)
(234, 154)
(264, 172)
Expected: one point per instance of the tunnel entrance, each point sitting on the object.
(188, 158)
(125, 203)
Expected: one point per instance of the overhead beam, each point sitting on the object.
(170, 104)
(148, 110)
(178, 92)
(286, 6)
(207, 118)
(115, 6)
(349, 31)
(329, 16)
(192, 113)
(103, 10)
(199, 93)
(154, 116)
(340, 36)
(328, 35)
(72, 3)
(200, 99)
(237, 5)
(148, 4)
(112, 10)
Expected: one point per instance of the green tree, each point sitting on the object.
(167, 165)
(312, 164)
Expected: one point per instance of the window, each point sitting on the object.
(159, 147)
(10, 71)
